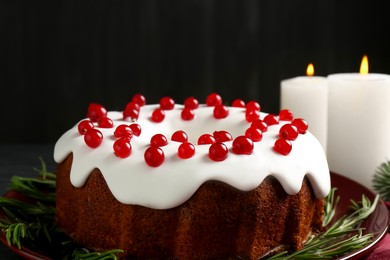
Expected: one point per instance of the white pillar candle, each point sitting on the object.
(359, 124)
(307, 97)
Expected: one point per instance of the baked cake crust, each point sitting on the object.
(218, 221)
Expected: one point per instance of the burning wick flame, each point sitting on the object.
(364, 66)
(310, 70)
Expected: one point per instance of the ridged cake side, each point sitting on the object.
(218, 221)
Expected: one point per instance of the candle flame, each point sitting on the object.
(310, 70)
(364, 65)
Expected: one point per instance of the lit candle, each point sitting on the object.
(307, 97)
(359, 123)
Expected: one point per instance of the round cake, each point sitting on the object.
(191, 181)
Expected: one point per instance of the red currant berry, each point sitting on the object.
(186, 150)
(139, 99)
(179, 136)
(282, 146)
(218, 152)
(213, 99)
(84, 126)
(258, 123)
(132, 105)
(93, 138)
(187, 114)
(254, 134)
(253, 105)
(122, 148)
(301, 124)
(252, 115)
(191, 103)
(158, 115)
(238, 103)
(158, 140)
(136, 128)
(167, 103)
(220, 111)
(289, 132)
(154, 156)
(222, 136)
(123, 131)
(271, 119)
(96, 111)
(130, 113)
(105, 122)
(286, 115)
(242, 145)
(206, 139)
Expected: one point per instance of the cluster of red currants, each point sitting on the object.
(218, 151)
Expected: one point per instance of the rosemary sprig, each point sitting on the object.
(381, 181)
(339, 238)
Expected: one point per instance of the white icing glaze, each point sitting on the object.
(132, 181)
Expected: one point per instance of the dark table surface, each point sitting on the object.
(20, 160)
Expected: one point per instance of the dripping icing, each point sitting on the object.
(132, 181)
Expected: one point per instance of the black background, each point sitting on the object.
(58, 56)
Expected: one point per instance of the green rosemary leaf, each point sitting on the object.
(19, 231)
(330, 207)
(8, 235)
(43, 173)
